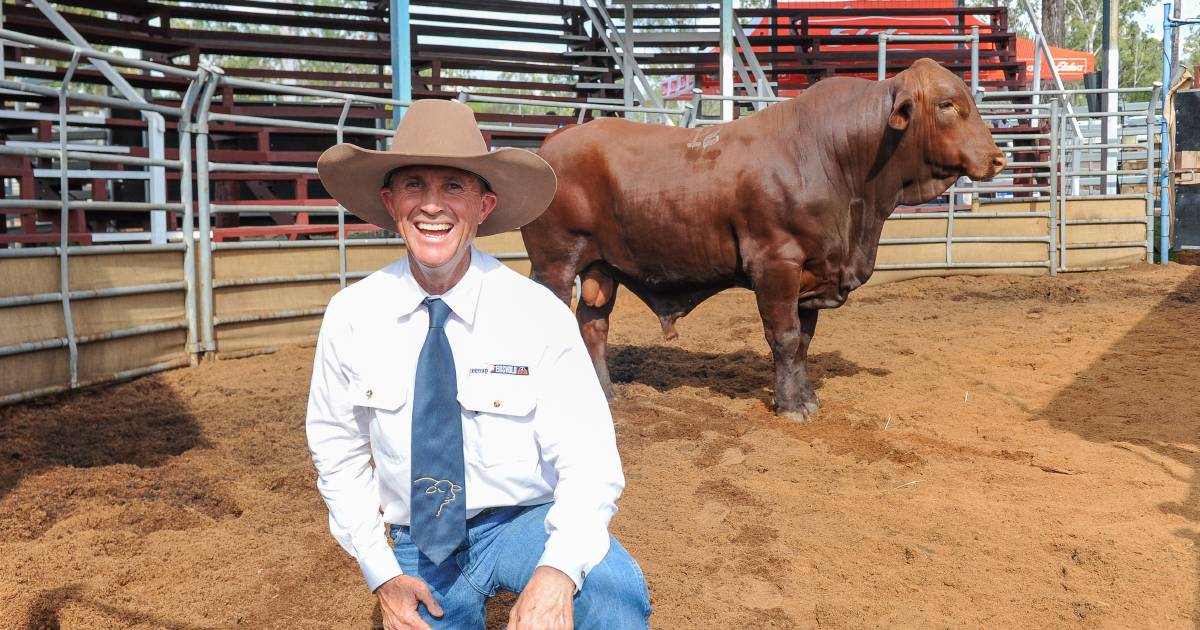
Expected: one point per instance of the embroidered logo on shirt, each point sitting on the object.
(516, 370)
(444, 486)
(481, 370)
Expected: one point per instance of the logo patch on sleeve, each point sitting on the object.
(515, 370)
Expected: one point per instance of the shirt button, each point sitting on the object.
(370, 393)
(496, 403)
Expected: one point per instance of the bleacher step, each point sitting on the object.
(600, 53)
(598, 100)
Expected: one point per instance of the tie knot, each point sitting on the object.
(438, 312)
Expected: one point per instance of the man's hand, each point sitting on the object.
(547, 603)
(398, 599)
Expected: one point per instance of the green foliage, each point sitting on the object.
(1190, 50)
(1140, 56)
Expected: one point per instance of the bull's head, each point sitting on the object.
(934, 109)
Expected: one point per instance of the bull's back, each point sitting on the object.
(654, 199)
(613, 150)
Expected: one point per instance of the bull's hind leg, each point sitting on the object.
(597, 296)
(789, 330)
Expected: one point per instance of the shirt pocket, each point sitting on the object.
(373, 393)
(383, 402)
(499, 412)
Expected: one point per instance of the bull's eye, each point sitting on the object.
(946, 105)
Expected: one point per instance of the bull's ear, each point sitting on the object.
(901, 110)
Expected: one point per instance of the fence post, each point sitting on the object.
(186, 231)
(1037, 80)
(341, 210)
(1150, 128)
(1055, 185)
(64, 222)
(208, 328)
(698, 107)
(881, 72)
(950, 224)
(1165, 185)
(975, 62)
(156, 132)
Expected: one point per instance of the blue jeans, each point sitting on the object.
(502, 550)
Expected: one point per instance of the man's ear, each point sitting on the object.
(489, 200)
(387, 197)
(902, 107)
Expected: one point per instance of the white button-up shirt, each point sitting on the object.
(536, 425)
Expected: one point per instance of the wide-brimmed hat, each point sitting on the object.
(440, 133)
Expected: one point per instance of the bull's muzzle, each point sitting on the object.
(988, 169)
(998, 164)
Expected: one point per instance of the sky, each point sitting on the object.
(1153, 16)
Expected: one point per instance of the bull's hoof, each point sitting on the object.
(802, 413)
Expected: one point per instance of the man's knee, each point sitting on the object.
(615, 589)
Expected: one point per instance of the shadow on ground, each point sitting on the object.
(103, 450)
(1140, 397)
(742, 374)
(45, 612)
(139, 423)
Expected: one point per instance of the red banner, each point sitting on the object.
(1071, 64)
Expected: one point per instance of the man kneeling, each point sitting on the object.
(454, 409)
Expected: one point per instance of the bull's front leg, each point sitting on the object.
(789, 330)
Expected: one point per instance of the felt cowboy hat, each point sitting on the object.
(440, 133)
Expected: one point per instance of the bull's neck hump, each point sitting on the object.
(846, 127)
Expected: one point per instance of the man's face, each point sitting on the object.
(437, 210)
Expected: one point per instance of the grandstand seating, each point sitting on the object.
(509, 47)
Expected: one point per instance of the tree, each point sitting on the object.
(1190, 53)
(1141, 57)
(1140, 54)
(1054, 24)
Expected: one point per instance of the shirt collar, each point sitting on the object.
(462, 298)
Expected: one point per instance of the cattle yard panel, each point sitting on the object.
(297, 299)
(1108, 221)
(971, 40)
(1094, 230)
(90, 330)
(1013, 239)
(662, 114)
(1022, 222)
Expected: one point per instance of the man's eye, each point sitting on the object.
(453, 186)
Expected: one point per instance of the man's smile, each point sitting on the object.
(434, 230)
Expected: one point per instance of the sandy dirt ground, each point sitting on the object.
(991, 453)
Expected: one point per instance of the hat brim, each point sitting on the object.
(523, 182)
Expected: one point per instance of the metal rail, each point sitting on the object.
(1044, 178)
(973, 39)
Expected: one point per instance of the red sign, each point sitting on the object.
(1071, 64)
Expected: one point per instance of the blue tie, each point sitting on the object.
(439, 500)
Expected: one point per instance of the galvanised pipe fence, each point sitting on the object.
(71, 339)
(1021, 220)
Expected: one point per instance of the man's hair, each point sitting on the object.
(484, 186)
